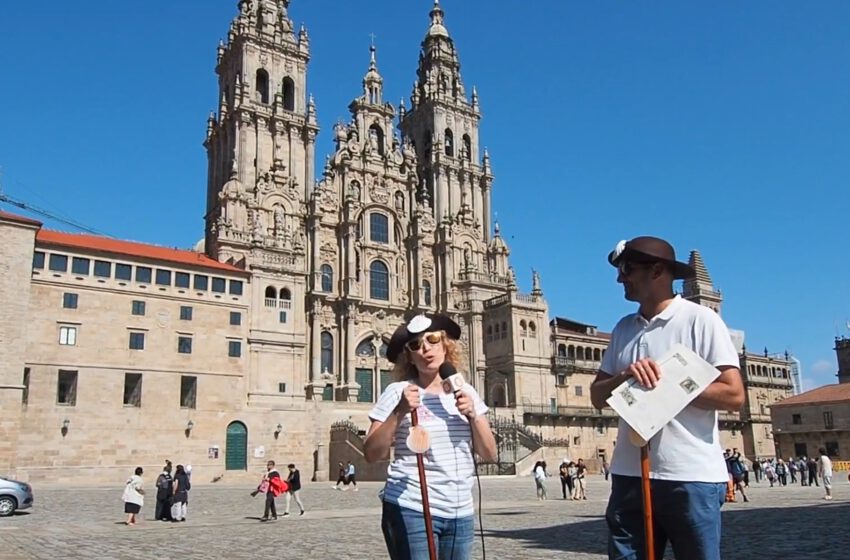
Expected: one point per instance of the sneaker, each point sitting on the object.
(356, 489)
(263, 519)
(302, 512)
(285, 514)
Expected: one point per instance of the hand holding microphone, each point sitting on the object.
(453, 383)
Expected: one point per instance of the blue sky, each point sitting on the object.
(722, 126)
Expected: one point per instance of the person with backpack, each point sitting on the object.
(273, 486)
(164, 489)
(180, 494)
(737, 469)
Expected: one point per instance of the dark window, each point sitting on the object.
(378, 134)
(449, 146)
(281, 387)
(143, 274)
(288, 94)
(181, 279)
(123, 271)
(827, 420)
(366, 349)
(133, 389)
(235, 318)
(80, 265)
(184, 344)
(38, 260)
(327, 278)
(58, 263)
(103, 269)
(801, 450)
(201, 282)
(379, 229)
(188, 391)
(163, 277)
(283, 317)
(236, 287)
(579, 390)
(262, 86)
(234, 348)
(185, 313)
(285, 294)
(69, 300)
(137, 341)
(831, 448)
(796, 419)
(218, 285)
(467, 147)
(327, 352)
(426, 292)
(25, 394)
(138, 307)
(562, 379)
(379, 281)
(66, 391)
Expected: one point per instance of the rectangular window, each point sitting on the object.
(579, 390)
(66, 390)
(201, 282)
(831, 448)
(218, 285)
(235, 318)
(58, 263)
(184, 344)
(562, 379)
(163, 277)
(236, 287)
(69, 300)
(188, 391)
(143, 274)
(281, 387)
(796, 419)
(38, 260)
(234, 348)
(827, 420)
(137, 341)
(283, 316)
(123, 272)
(138, 307)
(185, 313)
(379, 229)
(25, 394)
(181, 279)
(68, 336)
(102, 269)
(576, 440)
(80, 265)
(133, 389)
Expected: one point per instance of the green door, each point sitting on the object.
(236, 448)
(364, 378)
(386, 379)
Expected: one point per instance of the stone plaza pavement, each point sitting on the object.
(223, 523)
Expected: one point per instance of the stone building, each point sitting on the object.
(274, 329)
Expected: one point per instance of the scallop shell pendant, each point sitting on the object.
(419, 440)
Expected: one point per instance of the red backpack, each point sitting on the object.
(277, 486)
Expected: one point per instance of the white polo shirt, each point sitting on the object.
(688, 448)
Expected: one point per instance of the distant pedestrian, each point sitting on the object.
(606, 470)
(180, 494)
(812, 466)
(825, 472)
(578, 488)
(757, 469)
(134, 496)
(782, 472)
(566, 479)
(164, 489)
(539, 473)
(803, 470)
(793, 468)
(272, 485)
(293, 482)
(341, 478)
(350, 475)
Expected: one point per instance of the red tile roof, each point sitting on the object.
(19, 219)
(839, 392)
(132, 249)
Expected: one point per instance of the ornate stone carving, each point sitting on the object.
(327, 251)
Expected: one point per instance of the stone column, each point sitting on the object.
(309, 174)
(321, 472)
(487, 215)
(352, 389)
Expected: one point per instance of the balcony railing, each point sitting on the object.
(568, 411)
(563, 364)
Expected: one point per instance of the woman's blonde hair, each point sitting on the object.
(405, 370)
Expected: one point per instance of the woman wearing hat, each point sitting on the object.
(456, 425)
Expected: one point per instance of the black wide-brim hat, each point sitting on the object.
(426, 322)
(650, 249)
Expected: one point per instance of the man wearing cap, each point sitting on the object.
(687, 470)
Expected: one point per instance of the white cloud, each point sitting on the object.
(822, 372)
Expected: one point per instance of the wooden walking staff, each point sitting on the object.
(649, 534)
(419, 441)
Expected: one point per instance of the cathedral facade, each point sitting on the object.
(251, 347)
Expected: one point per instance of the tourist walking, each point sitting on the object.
(180, 494)
(688, 474)
(757, 469)
(350, 475)
(825, 472)
(803, 470)
(164, 489)
(782, 472)
(272, 485)
(134, 496)
(566, 480)
(578, 489)
(293, 483)
(606, 470)
(539, 473)
(792, 469)
(341, 478)
(457, 423)
(770, 473)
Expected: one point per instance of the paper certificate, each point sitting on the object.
(684, 375)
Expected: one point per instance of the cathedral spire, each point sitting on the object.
(700, 289)
(437, 28)
(373, 82)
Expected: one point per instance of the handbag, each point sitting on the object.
(264, 486)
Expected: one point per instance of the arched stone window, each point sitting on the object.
(285, 294)
(562, 350)
(449, 143)
(327, 352)
(262, 86)
(523, 328)
(288, 90)
(379, 228)
(377, 133)
(597, 355)
(426, 292)
(580, 353)
(571, 352)
(497, 395)
(588, 354)
(504, 329)
(379, 281)
(467, 147)
(327, 278)
(366, 349)
(271, 292)
(532, 329)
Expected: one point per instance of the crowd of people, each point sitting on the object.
(808, 471)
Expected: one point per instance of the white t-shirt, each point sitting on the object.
(688, 448)
(131, 491)
(539, 473)
(448, 463)
(825, 466)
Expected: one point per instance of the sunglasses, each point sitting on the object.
(626, 268)
(431, 338)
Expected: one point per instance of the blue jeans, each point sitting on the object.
(404, 533)
(687, 514)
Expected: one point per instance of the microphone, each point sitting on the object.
(452, 380)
